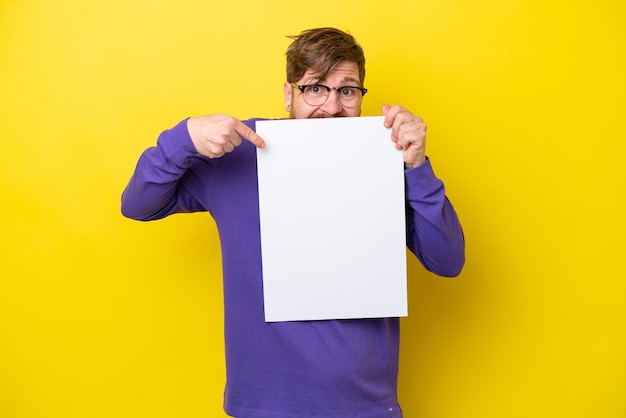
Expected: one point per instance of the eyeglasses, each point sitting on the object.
(317, 94)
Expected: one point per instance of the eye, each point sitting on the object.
(316, 90)
(347, 92)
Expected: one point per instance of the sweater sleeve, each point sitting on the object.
(155, 190)
(434, 233)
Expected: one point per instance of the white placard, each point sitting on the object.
(331, 201)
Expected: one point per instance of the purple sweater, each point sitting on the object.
(329, 369)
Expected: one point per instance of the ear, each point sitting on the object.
(287, 89)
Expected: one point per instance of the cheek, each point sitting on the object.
(300, 110)
(354, 112)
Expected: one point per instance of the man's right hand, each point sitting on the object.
(216, 135)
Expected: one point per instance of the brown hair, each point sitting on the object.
(320, 50)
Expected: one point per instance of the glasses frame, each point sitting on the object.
(328, 90)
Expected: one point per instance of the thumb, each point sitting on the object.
(387, 121)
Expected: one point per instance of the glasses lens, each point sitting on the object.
(315, 95)
(349, 96)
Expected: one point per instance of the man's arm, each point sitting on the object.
(155, 190)
(434, 233)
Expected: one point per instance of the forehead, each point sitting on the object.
(343, 72)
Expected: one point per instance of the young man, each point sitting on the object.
(330, 369)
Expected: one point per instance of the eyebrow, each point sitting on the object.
(348, 79)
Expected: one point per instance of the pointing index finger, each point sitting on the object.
(247, 133)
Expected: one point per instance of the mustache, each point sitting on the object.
(326, 115)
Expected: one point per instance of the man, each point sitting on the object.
(330, 369)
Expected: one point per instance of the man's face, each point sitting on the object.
(343, 74)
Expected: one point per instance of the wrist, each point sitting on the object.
(408, 166)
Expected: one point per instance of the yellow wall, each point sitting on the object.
(525, 100)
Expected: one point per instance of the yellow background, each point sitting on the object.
(101, 316)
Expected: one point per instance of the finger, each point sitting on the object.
(229, 147)
(412, 135)
(406, 122)
(388, 116)
(212, 150)
(400, 117)
(412, 130)
(247, 133)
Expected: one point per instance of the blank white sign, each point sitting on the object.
(331, 201)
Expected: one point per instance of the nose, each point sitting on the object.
(332, 105)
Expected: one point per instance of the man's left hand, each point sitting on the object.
(408, 132)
